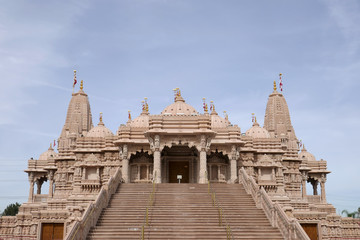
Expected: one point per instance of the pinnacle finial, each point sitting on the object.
(274, 85)
(205, 106)
(82, 85)
(100, 116)
(145, 105)
(212, 106)
(129, 115)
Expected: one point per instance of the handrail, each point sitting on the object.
(149, 206)
(289, 228)
(89, 219)
(216, 203)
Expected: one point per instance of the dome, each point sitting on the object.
(141, 121)
(217, 121)
(100, 131)
(305, 155)
(49, 153)
(257, 132)
(179, 107)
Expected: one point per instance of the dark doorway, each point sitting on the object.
(311, 230)
(52, 231)
(178, 168)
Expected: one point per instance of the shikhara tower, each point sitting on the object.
(179, 141)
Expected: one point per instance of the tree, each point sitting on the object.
(355, 214)
(11, 210)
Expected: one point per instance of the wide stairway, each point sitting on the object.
(182, 211)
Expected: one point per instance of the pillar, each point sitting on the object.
(303, 186)
(51, 183)
(322, 184)
(202, 170)
(31, 192)
(38, 184)
(157, 166)
(315, 184)
(233, 168)
(125, 170)
(125, 163)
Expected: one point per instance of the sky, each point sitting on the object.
(229, 52)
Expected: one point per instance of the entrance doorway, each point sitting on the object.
(311, 230)
(52, 231)
(178, 168)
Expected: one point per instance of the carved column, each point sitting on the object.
(157, 159)
(322, 184)
(31, 192)
(51, 183)
(202, 169)
(233, 164)
(315, 184)
(304, 178)
(125, 164)
(38, 185)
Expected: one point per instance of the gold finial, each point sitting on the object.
(274, 85)
(212, 106)
(205, 106)
(253, 117)
(145, 106)
(255, 120)
(129, 115)
(101, 116)
(82, 85)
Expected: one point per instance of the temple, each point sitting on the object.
(178, 145)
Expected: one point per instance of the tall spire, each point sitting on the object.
(277, 119)
(78, 119)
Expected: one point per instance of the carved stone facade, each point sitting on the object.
(178, 145)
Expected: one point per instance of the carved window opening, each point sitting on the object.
(218, 167)
(141, 167)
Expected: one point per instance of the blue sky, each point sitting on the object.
(226, 51)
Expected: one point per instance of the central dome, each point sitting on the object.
(179, 107)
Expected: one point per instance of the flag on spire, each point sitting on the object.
(280, 82)
(74, 79)
(54, 143)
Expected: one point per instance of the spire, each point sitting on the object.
(277, 119)
(78, 120)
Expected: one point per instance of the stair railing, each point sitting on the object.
(149, 207)
(222, 219)
(90, 217)
(289, 228)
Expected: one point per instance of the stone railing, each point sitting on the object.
(289, 228)
(89, 219)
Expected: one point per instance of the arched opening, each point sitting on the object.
(180, 162)
(141, 167)
(218, 167)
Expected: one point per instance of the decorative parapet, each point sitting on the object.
(350, 228)
(81, 227)
(289, 228)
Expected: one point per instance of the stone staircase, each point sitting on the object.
(182, 211)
